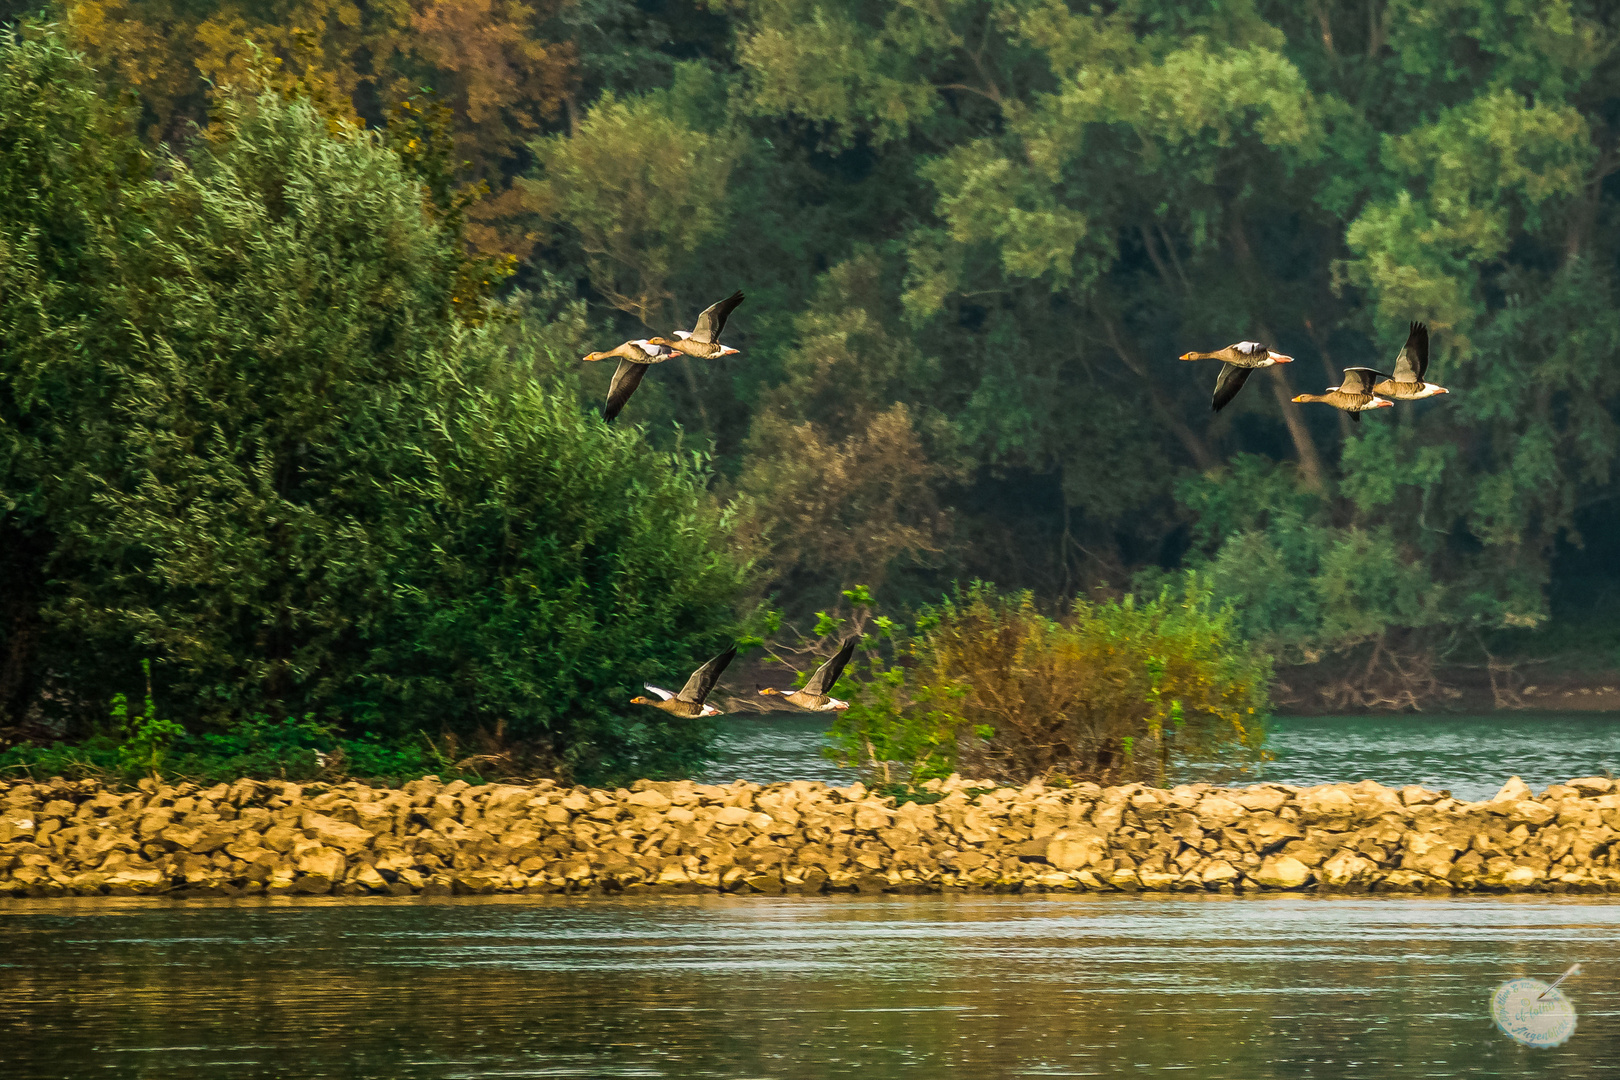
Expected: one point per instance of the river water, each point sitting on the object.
(1468, 755)
(1269, 987)
(963, 986)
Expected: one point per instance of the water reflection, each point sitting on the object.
(719, 987)
(1469, 755)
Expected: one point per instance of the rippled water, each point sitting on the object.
(974, 987)
(1469, 755)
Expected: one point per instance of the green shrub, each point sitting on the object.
(248, 430)
(1116, 691)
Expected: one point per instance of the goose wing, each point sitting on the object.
(713, 319)
(663, 695)
(1228, 383)
(703, 679)
(1413, 361)
(653, 353)
(625, 381)
(1359, 380)
(1252, 349)
(827, 674)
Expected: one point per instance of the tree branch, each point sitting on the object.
(1199, 452)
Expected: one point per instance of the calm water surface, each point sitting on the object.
(985, 987)
(1470, 755)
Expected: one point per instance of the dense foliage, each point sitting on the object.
(249, 431)
(1113, 692)
(975, 235)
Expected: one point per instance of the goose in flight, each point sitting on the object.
(703, 340)
(634, 359)
(814, 696)
(1236, 363)
(689, 702)
(1410, 366)
(1355, 394)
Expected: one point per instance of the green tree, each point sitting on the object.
(324, 490)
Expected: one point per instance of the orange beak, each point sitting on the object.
(1188, 356)
(1279, 358)
(1384, 403)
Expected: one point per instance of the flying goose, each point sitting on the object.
(1236, 363)
(814, 696)
(1355, 394)
(1410, 366)
(689, 702)
(634, 358)
(703, 340)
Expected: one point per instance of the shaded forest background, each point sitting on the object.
(976, 235)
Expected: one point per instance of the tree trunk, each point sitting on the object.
(1196, 448)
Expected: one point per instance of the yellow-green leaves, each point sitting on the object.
(642, 188)
(1479, 174)
(818, 62)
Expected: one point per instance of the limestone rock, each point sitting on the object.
(1124, 878)
(1505, 873)
(1281, 872)
(1326, 804)
(1213, 811)
(1512, 791)
(1157, 880)
(1347, 869)
(1529, 812)
(1219, 872)
(1075, 847)
(1268, 832)
(1254, 799)
(322, 862)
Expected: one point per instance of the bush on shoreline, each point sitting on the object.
(1116, 691)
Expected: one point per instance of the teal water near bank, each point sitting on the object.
(875, 987)
(1469, 755)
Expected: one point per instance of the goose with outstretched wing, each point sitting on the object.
(1410, 367)
(703, 340)
(690, 701)
(634, 359)
(814, 696)
(1237, 361)
(1355, 394)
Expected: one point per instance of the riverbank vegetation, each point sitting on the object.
(1112, 692)
(256, 429)
(289, 309)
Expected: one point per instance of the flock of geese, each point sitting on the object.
(1361, 389)
(813, 698)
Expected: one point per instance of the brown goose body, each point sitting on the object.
(814, 696)
(690, 701)
(639, 351)
(1236, 363)
(634, 359)
(703, 340)
(1407, 384)
(1354, 395)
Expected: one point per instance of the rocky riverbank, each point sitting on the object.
(430, 838)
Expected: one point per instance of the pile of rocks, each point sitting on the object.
(64, 838)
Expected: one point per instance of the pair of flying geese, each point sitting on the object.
(1363, 388)
(635, 357)
(813, 698)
